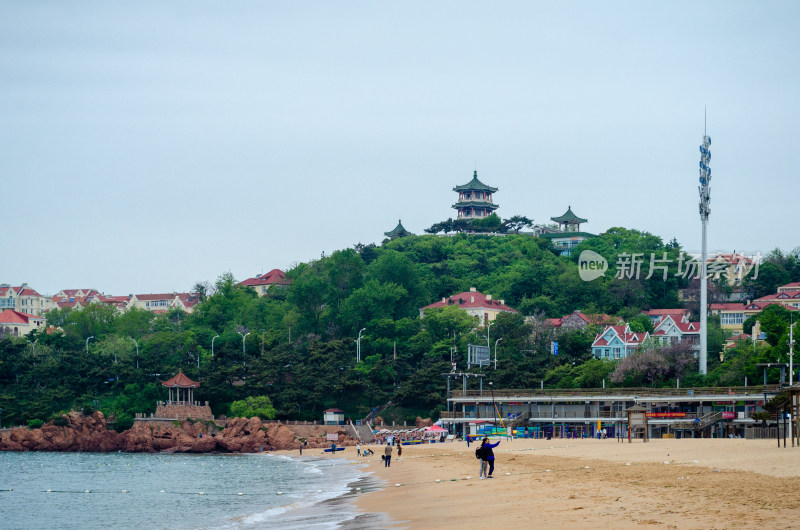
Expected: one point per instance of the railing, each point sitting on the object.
(510, 394)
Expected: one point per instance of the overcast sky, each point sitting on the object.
(150, 145)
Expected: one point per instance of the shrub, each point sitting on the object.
(35, 424)
(123, 423)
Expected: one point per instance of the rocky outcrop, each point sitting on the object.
(78, 432)
(427, 422)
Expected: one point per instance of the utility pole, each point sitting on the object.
(705, 210)
(358, 345)
(495, 352)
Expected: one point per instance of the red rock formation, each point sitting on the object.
(89, 433)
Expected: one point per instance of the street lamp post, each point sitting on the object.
(137, 351)
(212, 345)
(358, 345)
(243, 337)
(87, 344)
(491, 387)
(495, 352)
(489, 327)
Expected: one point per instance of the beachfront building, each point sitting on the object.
(23, 299)
(333, 417)
(569, 234)
(16, 324)
(398, 231)
(262, 283)
(616, 342)
(474, 303)
(577, 412)
(474, 199)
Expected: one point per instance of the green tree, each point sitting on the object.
(253, 406)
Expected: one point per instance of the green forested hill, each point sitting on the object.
(299, 347)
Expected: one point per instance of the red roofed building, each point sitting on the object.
(795, 286)
(617, 342)
(475, 304)
(23, 299)
(262, 283)
(671, 330)
(333, 417)
(17, 324)
(161, 303)
(657, 315)
(733, 315)
(579, 320)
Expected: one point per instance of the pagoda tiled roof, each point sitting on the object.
(477, 204)
(569, 217)
(398, 231)
(475, 184)
(181, 381)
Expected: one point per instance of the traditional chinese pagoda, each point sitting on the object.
(399, 231)
(568, 235)
(474, 199)
(569, 222)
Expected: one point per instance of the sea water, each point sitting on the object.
(177, 491)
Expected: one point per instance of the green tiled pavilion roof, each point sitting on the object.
(399, 231)
(475, 184)
(569, 217)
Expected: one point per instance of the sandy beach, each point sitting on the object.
(700, 483)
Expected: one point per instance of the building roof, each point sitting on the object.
(273, 277)
(471, 300)
(628, 337)
(22, 290)
(474, 184)
(476, 204)
(665, 312)
(566, 235)
(188, 299)
(569, 217)
(180, 381)
(334, 410)
(728, 306)
(398, 231)
(9, 316)
(790, 286)
(148, 297)
(783, 295)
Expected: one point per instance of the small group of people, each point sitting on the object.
(486, 456)
(364, 452)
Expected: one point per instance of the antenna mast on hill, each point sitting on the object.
(705, 210)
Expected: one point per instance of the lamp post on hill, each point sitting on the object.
(137, 351)
(491, 387)
(212, 345)
(243, 337)
(87, 344)
(495, 352)
(488, 328)
(358, 346)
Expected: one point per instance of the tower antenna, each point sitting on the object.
(705, 210)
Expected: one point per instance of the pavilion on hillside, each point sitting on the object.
(399, 231)
(180, 386)
(569, 222)
(475, 199)
(181, 404)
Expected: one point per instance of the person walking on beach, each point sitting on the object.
(468, 440)
(387, 456)
(481, 454)
(399, 449)
(358, 448)
(489, 454)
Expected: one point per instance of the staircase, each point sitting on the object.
(697, 426)
(363, 433)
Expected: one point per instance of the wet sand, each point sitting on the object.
(666, 483)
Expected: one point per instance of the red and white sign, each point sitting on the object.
(332, 437)
(726, 415)
(666, 414)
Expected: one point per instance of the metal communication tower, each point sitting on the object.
(705, 210)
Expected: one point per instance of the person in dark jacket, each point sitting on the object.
(488, 454)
